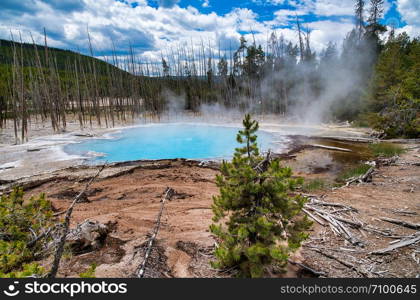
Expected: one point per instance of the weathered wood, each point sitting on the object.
(343, 262)
(367, 176)
(307, 268)
(331, 148)
(403, 212)
(60, 247)
(141, 269)
(357, 225)
(362, 178)
(313, 217)
(401, 223)
(263, 165)
(336, 224)
(402, 243)
(324, 203)
(349, 139)
(39, 237)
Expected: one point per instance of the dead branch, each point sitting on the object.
(319, 221)
(335, 222)
(322, 212)
(59, 213)
(39, 237)
(263, 165)
(309, 269)
(343, 262)
(403, 212)
(60, 247)
(324, 203)
(401, 223)
(403, 243)
(140, 270)
(330, 148)
(367, 177)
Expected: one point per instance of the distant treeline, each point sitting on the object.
(371, 81)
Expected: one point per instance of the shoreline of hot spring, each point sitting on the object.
(44, 153)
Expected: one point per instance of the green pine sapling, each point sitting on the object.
(258, 222)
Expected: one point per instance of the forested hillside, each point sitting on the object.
(62, 58)
(394, 94)
(372, 79)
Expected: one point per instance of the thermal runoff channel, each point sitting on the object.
(164, 141)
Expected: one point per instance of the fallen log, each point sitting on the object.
(308, 269)
(330, 148)
(60, 246)
(313, 217)
(367, 177)
(401, 223)
(324, 203)
(140, 270)
(403, 243)
(356, 225)
(343, 262)
(348, 139)
(336, 224)
(403, 212)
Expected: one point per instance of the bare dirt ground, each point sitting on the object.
(130, 204)
(127, 199)
(393, 193)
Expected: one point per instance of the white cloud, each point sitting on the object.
(151, 30)
(206, 3)
(321, 33)
(334, 7)
(322, 7)
(409, 11)
(411, 30)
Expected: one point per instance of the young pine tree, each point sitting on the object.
(394, 98)
(257, 220)
(19, 222)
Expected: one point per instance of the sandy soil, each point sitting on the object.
(127, 198)
(393, 193)
(130, 204)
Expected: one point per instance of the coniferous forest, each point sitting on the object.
(373, 80)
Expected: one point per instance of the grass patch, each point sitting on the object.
(353, 172)
(314, 185)
(90, 272)
(385, 149)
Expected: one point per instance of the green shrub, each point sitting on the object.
(27, 270)
(19, 224)
(385, 149)
(262, 221)
(90, 272)
(314, 185)
(353, 172)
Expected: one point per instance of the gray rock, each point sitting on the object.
(87, 236)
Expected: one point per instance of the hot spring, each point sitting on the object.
(167, 141)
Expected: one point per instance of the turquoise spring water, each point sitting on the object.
(164, 141)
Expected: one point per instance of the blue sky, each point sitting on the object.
(156, 26)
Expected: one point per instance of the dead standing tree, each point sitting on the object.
(141, 269)
(60, 246)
